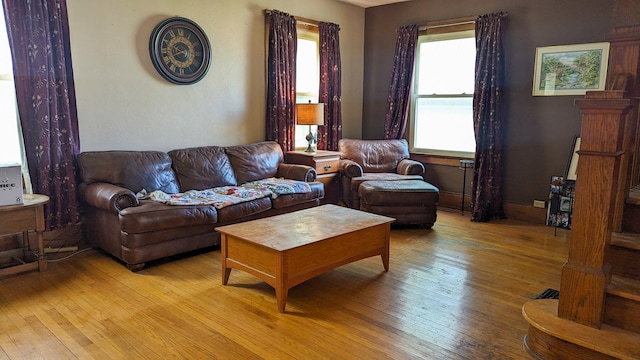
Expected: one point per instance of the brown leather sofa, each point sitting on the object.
(378, 176)
(138, 231)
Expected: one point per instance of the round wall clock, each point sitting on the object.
(180, 50)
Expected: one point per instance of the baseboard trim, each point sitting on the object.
(516, 211)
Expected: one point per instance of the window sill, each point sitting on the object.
(439, 159)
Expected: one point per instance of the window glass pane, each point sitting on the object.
(5, 54)
(307, 78)
(447, 67)
(444, 124)
(9, 144)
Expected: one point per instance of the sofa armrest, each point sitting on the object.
(297, 172)
(410, 167)
(109, 197)
(350, 168)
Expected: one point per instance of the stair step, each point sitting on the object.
(626, 240)
(622, 303)
(634, 196)
(624, 288)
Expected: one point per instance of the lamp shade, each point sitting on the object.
(310, 114)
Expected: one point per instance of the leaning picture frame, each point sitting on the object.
(570, 69)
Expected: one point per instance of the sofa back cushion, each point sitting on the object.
(255, 161)
(133, 170)
(375, 155)
(201, 168)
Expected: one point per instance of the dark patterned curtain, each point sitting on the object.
(281, 79)
(330, 86)
(39, 39)
(487, 191)
(400, 87)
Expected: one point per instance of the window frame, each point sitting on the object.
(440, 29)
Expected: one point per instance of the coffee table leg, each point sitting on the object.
(225, 275)
(226, 271)
(385, 254)
(385, 261)
(281, 282)
(281, 298)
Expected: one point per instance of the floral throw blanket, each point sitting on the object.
(229, 195)
(278, 186)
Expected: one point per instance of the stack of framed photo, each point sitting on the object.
(561, 195)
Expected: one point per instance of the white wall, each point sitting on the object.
(124, 104)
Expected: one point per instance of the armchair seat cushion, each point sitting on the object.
(381, 177)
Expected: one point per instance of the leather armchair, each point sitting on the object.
(365, 160)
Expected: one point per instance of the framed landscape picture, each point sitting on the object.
(570, 69)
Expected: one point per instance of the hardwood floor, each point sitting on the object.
(453, 292)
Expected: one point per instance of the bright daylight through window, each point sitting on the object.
(9, 139)
(442, 121)
(307, 77)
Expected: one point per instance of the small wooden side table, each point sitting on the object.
(326, 164)
(22, 218)
(465, 165)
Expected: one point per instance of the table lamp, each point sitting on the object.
(310, 114)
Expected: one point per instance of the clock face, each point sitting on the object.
(180, 50)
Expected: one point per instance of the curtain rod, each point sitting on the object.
(298, 18)
(452, 22)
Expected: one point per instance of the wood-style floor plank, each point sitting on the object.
(452, 292)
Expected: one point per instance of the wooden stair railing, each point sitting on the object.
(598, 313)
(602, 176)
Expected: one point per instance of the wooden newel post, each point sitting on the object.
(585, 275)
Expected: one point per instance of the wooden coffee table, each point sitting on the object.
(286, 250)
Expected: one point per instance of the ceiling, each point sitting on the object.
(370, 3)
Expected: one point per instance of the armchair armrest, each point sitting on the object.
(410, 167)
(108, 197)
(297, 172)
(350, 168)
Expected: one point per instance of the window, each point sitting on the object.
(442, 104)
(307, 75)
(9, 136)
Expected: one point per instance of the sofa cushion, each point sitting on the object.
(154, 216)
(255, 161)
(201, 168)
(133, 170)
(235, 213)
(375, 155)
(136, 241)
(286, 200)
